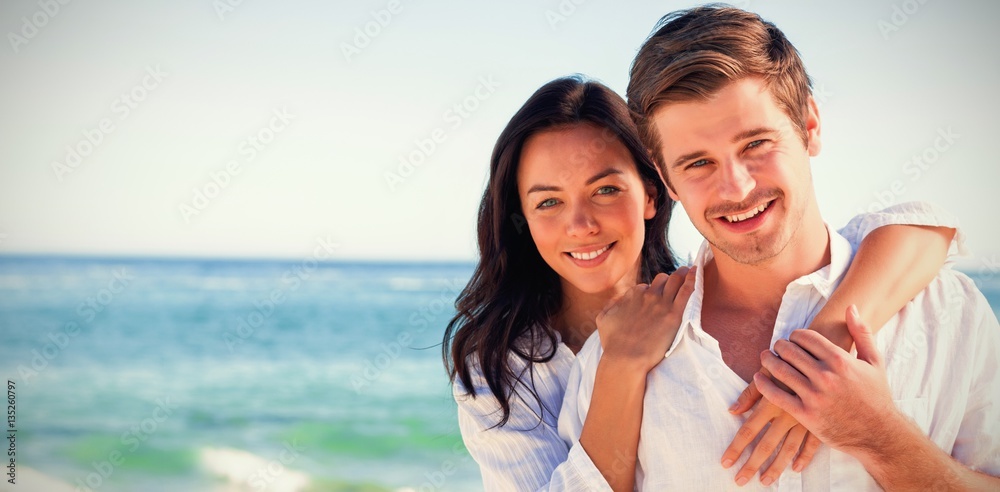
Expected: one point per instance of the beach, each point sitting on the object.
(209, 375)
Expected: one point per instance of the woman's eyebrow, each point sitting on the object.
(603, 174)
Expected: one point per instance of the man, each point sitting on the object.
(723, 102)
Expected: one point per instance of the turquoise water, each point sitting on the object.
(232, 376)
(208, 375)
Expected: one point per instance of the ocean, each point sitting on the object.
(148, 375)
(226, 376)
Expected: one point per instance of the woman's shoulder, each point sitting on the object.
(538, 360)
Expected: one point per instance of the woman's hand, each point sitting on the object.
(638, 327)
(784, 431)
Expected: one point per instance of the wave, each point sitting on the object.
(245, 471)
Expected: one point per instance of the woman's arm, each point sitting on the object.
(636, 331)
(527, 453)
(893, 264)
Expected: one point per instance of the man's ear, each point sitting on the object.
(672, 194)
(813, 144)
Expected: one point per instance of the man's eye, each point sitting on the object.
(551, 202)
(698, 163)
(755, 143)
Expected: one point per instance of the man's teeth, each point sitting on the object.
(741, 217)
(591, 255)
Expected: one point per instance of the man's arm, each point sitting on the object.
(847, 403)
(893, 264)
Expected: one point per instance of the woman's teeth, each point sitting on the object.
(591, 255)
(741, 217)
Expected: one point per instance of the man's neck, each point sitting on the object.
(761, 286)
(741, 302)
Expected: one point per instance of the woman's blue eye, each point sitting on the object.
(551, 202)
(607, 190)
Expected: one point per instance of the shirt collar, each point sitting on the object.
(824, 280)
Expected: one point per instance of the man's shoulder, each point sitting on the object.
(952, 300)
(956, 289)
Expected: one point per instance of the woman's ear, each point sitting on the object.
(650, 211)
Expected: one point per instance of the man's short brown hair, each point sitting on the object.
(692, 54)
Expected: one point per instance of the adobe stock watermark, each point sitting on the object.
(364, 35)
(121, 108)
(291, 280)
(988, 269)
(264, 476)
(225, 7)
(916, 167)
(420, 319)
(455, 116)
(33, 24)
(563, 11)
(131, 440)
(899, 16)
(56, 342)
(248, 148)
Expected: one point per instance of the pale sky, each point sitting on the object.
(315, 115)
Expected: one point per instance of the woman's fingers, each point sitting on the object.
(809, 450)
(789, 448)
(684, 291)
(749, 396)
(656, 286)
(765, 448)
(747, 433)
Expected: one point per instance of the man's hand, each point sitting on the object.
(841, 399)
(638, 327)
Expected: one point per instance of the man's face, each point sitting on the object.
(739, 167)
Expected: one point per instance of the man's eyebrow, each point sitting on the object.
(603, 174)
(753, 132)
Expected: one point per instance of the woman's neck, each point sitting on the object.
(575, 322)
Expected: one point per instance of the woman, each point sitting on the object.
(575, 213)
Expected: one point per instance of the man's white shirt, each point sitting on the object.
(941, 354)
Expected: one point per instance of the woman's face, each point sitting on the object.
(585, 205)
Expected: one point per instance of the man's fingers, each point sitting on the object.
(746, 434)
(785, 401)
(797, 357)
(793, 441)
(816, 344)
(864, 341)
(781, 371)
(809, 450)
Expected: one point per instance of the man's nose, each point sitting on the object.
(735, 181)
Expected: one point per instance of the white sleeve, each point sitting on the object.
(978, 442)
(526, 453)
(908, 213)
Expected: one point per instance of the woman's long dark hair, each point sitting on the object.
(513, 293)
